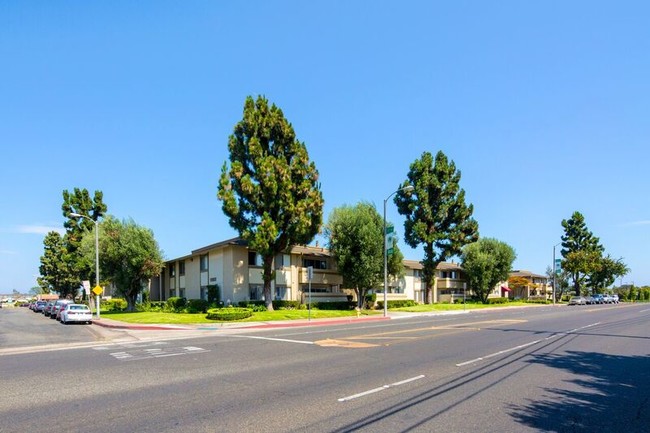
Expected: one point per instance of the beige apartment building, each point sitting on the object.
(237, 271)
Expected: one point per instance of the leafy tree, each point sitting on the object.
(355, 236)
(579, 249)
(486, 263)
(57, 273)
(561, 282)
(605, 273)
(129, 256)
(36, 290)
(436, 214)
(579, 264)
(270, 193)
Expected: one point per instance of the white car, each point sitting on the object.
(76, 313)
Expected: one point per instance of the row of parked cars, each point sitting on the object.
(594, 299)
(63, 310)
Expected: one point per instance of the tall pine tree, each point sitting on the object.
(436, 214)
(581, 250)
(270, 192)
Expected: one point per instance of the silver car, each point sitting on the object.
(76, 313)
(577, 300)
(58, 305)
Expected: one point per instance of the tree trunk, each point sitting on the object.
(267, 276)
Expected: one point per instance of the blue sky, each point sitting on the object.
(543, 106)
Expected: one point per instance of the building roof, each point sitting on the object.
(524, 273)
(415, 264)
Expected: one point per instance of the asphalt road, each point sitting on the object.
(551, 369)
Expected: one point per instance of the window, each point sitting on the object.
(203, 262)
(282, 260)
(254, 259)
(256, 292)
(172, 270)
(181, 267)
(281, 293)
(316, 264)
(172, 293)
(181, 292)
(204, 293)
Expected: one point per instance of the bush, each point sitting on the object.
(537, 301)
(343, 305)
(197, 306)
(286, 305)
(229, 313)
(114, 304)
(397, 303)
(176, 304)
(497, 300)
(255, 306)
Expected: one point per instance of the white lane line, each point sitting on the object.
(286, 340)
(501, 352)
(381, 388)
(643, 311)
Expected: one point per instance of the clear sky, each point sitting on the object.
(543, 106)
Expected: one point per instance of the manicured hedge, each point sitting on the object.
(397, 303)
(176, 303)
(229, 313)
(197, 306)
(497, 300)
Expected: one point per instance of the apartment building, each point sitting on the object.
(237, 271)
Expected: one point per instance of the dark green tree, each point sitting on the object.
(486, 263)
(605, 273)
(436, 214)
(129, 256)
(355, 240)
(580, 248)
(270, 192)
(56, 269)
(79, 202)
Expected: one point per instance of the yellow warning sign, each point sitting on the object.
(97, 290)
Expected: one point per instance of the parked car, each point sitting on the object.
(615, 298)
(590, 300)
(58, 305)
(598, 298)
(577, 300)
(38, 306)
(76, 313)
(47, 309)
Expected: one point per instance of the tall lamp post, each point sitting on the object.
(78, 215)
(554, 270)
(405, 189)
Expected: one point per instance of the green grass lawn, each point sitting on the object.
(147, 317)
(424, 308)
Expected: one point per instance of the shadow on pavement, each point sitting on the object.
(611, 393)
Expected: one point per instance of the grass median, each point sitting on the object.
(152, 317)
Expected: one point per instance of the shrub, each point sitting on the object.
(255, 306)
(497, 300)
(229, 313)
(537, 301)
(114, 304)
(397, 303)
(175, 304)
(343, 305)
(197, 306)
(286, 305)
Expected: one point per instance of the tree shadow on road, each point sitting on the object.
(611, 393)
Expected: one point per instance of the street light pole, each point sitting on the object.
(78, 215)
(554, 271)
(405, 189)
